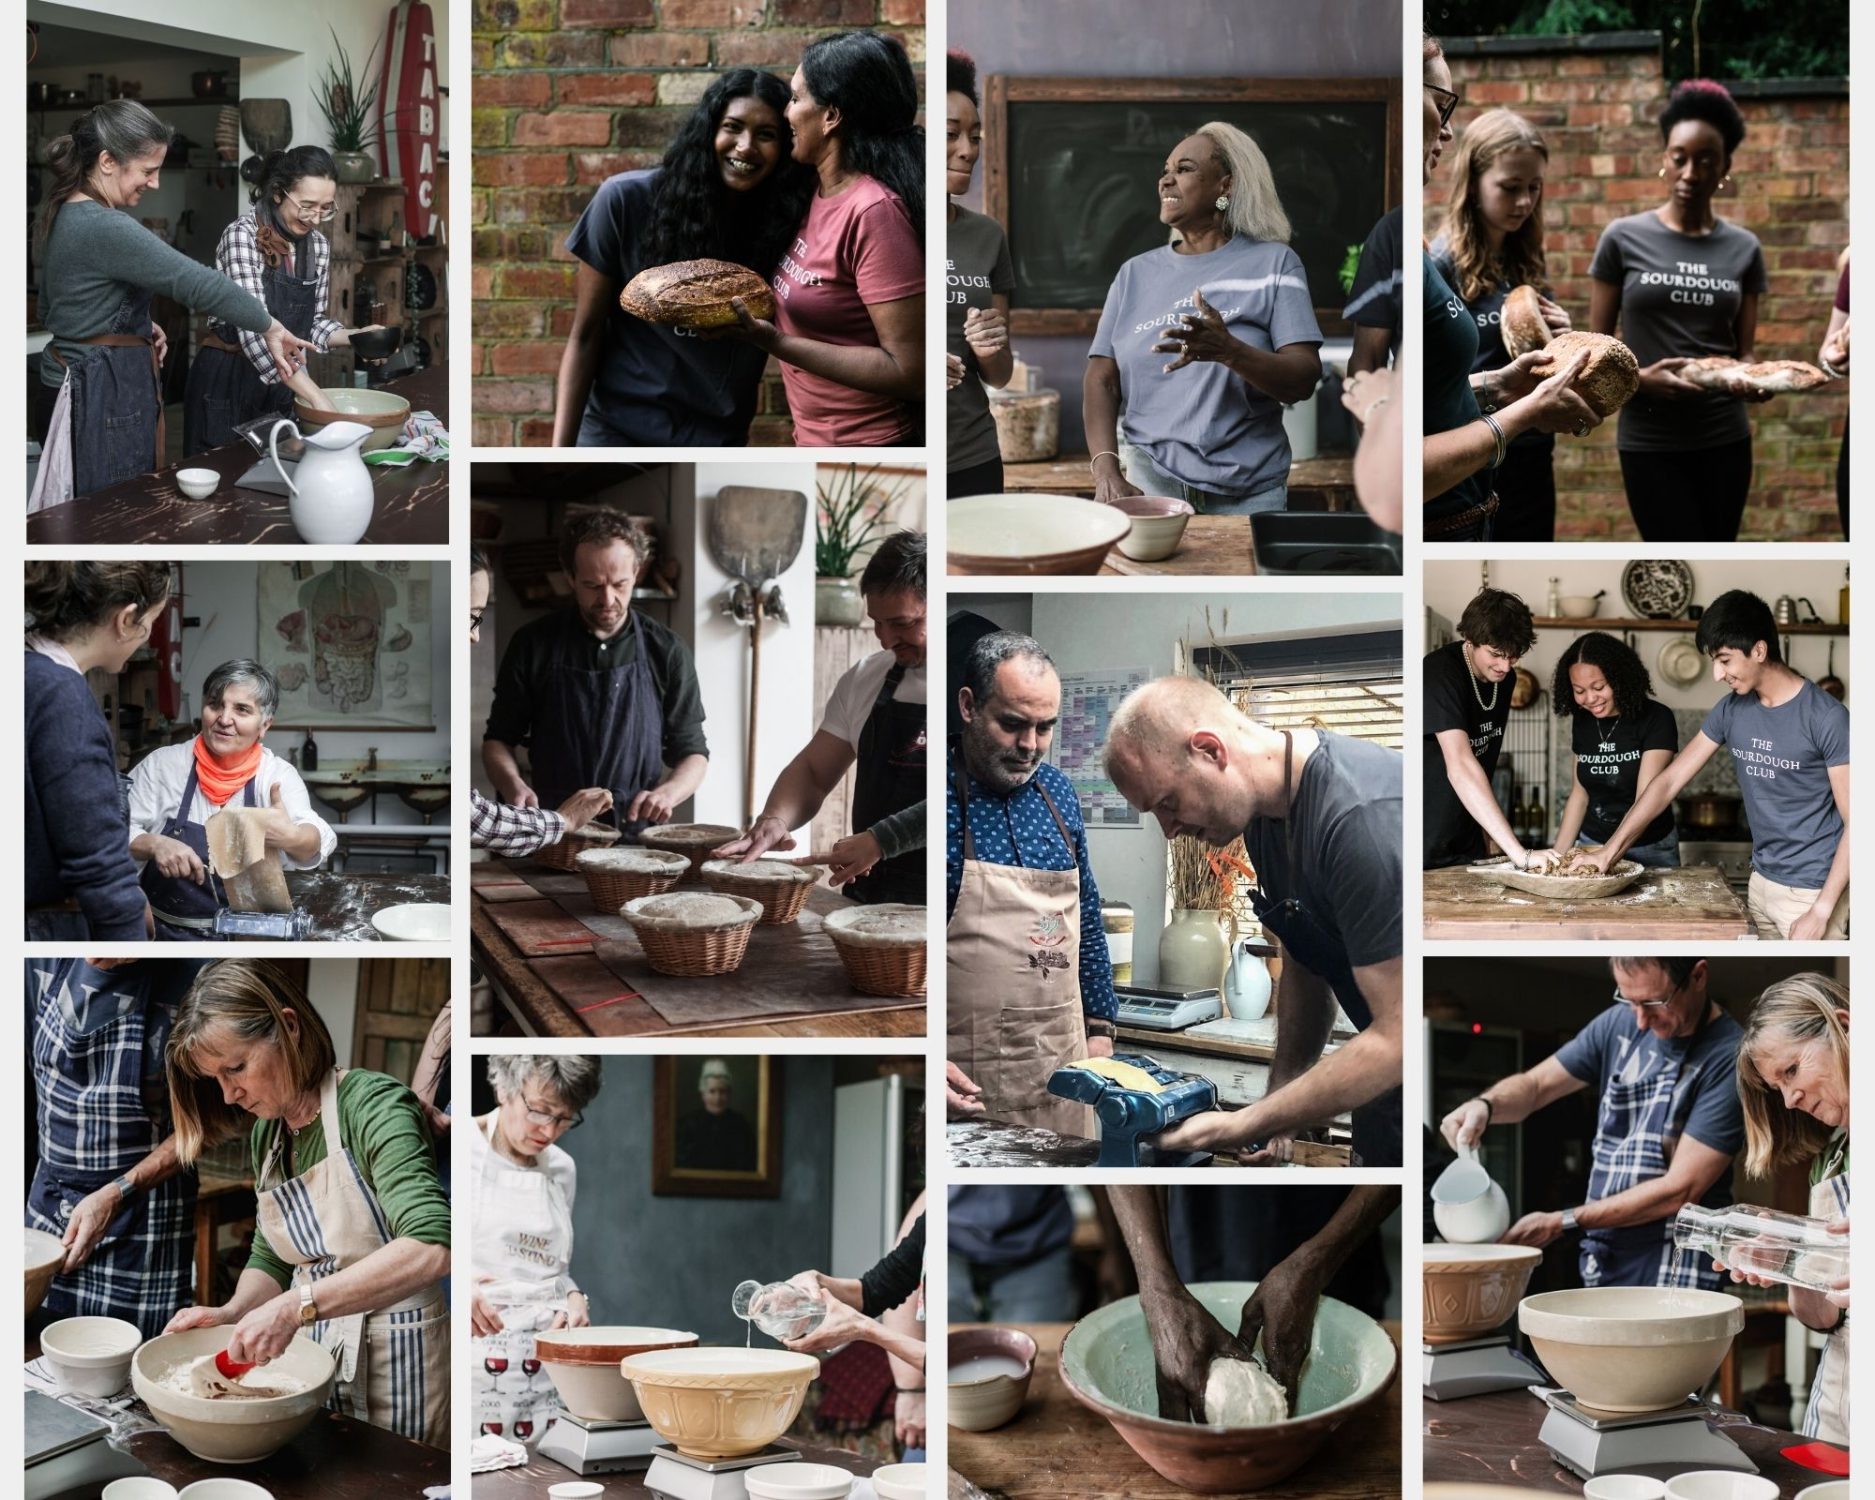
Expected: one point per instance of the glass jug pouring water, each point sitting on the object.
(1763, 1242)
(781, 1309)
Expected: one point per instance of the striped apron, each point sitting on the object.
(1826, 1415)
(393, 1364)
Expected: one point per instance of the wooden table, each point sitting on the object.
(1493, 1440)
(1691, 903)
(412, 502)
(341, 906)
(1057, 1449)
(1212, 547)
(997, 1144)
(1325, 482)
(531, 1481)
(563, 968)
(335, 1458)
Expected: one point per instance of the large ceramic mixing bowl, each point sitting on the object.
(45, 1253)
(1631, 1348)
(721, 1403)
(230, 1432)
(1027, 534)
(382, 411)
(584, 1366)
(1471, 1289)
(1106, 1362)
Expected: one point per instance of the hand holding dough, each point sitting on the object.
(1241, 1393)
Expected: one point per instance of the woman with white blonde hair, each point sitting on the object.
(1228, 301)
(1793, 1082)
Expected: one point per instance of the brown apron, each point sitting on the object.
(1013, 961)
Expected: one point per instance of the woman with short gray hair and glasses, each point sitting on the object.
(521, 1235)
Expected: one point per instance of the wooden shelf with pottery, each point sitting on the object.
(1682, 627)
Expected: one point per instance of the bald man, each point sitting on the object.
(1320, 819)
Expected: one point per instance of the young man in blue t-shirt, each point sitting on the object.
(1790, 742)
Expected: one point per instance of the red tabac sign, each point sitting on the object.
(410, 104)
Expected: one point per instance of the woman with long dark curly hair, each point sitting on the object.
(849, 325)
(1622, 738)
(726, 190)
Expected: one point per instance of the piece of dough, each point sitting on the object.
(1122, 1073)
(1241, 1393)
(250, 871)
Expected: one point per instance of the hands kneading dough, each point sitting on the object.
(1241, 1393)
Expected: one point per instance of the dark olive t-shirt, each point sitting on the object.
(1608, 767)
(1449, 834)
(1487, 310)
(977, 267)
(1451, 350)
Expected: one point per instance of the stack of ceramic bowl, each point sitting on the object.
(583, 1364)
(693, 934)
(780, 886)
(882, 946)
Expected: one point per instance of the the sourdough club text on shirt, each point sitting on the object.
(1608, 767)
(1783, 757)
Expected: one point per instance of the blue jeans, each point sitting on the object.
(1040, 1292)
(1139, 469)
(1663, 854)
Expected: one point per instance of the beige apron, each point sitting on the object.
(393, 1364)
(1826, 1416)
(1013, 960)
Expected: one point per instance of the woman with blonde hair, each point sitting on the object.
(1226, 298)
(352, 1232)
(1490, 244)
(1793, 1082)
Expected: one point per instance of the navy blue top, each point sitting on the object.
(77, 831)
(1009, 1226)
(1016, 830)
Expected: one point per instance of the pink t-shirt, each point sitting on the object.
(853, 249)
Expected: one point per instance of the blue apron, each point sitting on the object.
(888, 777)
(185, 911)
(599, 727)
(117, 401)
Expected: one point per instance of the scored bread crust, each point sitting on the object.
(1610, 378)
(1521, 322)
(1778, 377)
(696, 294)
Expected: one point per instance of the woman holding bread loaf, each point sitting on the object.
(979, 278)
(1684, 284)
(1490, 251)
(727, 192)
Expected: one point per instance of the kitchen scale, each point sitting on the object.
(66, 1450)
(265, 476)
(278, 926)
(1674, 1440)
(679, 1476)
(1166, 1010)
(587, 1445)
(1475, 1367)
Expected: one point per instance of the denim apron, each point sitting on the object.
(888, 777)
(185, 911)
(116, 395)
(600, 727)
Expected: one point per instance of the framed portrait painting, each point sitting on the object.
(716, 1127)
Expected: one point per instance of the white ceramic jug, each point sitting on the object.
(1247, 987)
(1467, 1204)
(332, 502)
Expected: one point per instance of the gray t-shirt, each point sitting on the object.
(97, 255)
(976, 268)
(1203, 424)
(1783, 757)
(1680, 296)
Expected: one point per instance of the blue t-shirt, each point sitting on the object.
(1783, 757)
(1205, 424)
(1009, 1226)
(1451, 338)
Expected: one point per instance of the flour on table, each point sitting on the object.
(1241, 1393)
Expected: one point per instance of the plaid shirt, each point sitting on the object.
(238, 258)
(511, 830)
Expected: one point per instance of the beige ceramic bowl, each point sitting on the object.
(1028, 534)
(1471, 1289)
(1158, 526)
(1631, 1348)
(90, 1356)
(720, 1403)
(797, 1481)
(900, 1482)
(45, 1253)
(381, 411)
(584, 1366)
(230, 1432)
(991, 1400)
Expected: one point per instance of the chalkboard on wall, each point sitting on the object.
(1072, 165)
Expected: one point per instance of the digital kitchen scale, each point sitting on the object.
(66, 1450)
(678, 1476)
(1672, 1441)
(588, 1446)
(1166, 1010)
(1475, 1367)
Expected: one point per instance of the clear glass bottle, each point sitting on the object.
(1764, 1242)
(781, 1309)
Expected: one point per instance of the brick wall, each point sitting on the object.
(565, 94)
(1597, 102)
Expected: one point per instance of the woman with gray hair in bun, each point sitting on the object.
(521, 1236)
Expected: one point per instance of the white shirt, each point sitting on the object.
(854, 694)
(156, 791)
(53, 651)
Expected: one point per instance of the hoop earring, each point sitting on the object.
(1223, 203)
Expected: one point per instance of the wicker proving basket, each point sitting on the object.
(882, 962)
(690, 952)
(694, 840)
(656, 870)
(573, 843)
(782, 895)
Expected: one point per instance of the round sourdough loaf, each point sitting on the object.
(1607, 381)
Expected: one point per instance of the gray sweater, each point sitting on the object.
(96, 255)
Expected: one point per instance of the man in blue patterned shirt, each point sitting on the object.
(1030, 982)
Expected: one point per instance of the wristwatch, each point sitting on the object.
(308, 1313)
(1569, 1225)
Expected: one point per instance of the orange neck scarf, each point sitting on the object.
(221, 780)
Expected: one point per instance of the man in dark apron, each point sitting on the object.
(1319, 814)
(874, 724)
(600, 695)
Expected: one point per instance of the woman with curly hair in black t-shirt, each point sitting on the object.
(1622, 738)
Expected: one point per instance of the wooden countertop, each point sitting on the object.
(1325, 482)
(1212, 547)
(412, 502)
(1057, 1449)
(1692, 903)
(997, 1144)
(1493, 1440)
(335, 1458)
(341, 906)
(531, 1481)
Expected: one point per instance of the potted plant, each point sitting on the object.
(849, 516)
(347, 108)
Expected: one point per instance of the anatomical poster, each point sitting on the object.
(349, 643)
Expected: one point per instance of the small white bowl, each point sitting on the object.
(140, 1487)
(900, 1482)
(1831, 1489)
(1158, 526)
(1623, 1487)
(197, 484)
(1578, 606)
(576, 1489)
(224, 1489)
(414, 922)
(91, 1356)
(797, 1481)
(1720, 1484)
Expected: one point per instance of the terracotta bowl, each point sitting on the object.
(230, 1432)
(1158, 526)
(1471, 1289)
(1631, 1348)
(1106, 1362)
(978, 1405)
(584, 1366)
(381, 411)
(1029, 534)
(721, 1403)
(45, 1253)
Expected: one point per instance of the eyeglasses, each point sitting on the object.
(1447, 102)
(1621, 999)
(318, 213)
(476, 616)
(538, 1116)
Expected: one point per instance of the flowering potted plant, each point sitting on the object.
(850, 515)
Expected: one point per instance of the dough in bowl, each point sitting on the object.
(693, 909)
(1241, 1393)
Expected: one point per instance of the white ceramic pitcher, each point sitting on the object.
(1467, 1204)
(1247, 986)
(333, 500)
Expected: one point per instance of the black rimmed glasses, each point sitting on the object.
(1447, 102)
(539, 1116)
